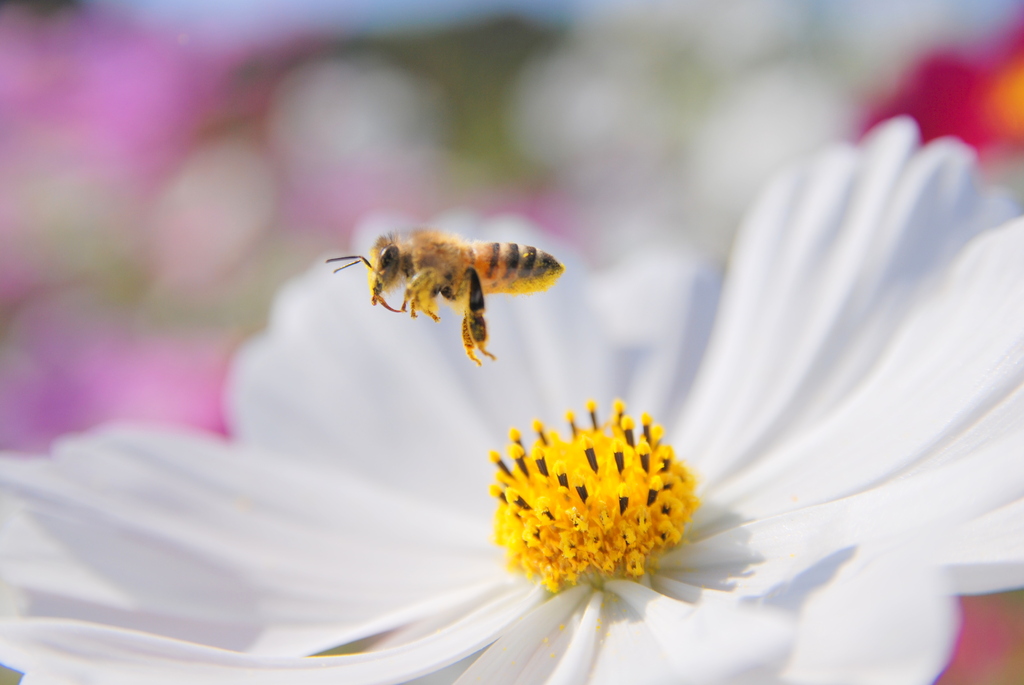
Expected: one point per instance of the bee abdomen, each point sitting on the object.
(513, 267)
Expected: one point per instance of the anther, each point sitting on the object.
(620, 462)
(627, 429)
(521, 462)
(538, 459)
(588, 448)
(563, 478)
(592, 408)
(657, 432)
(497, 461)
(618, 409)
(646, 420)
(538, 427)
(582, 491)
(644, 450)
(571, 418)
(655, 488)
(623, 493)
(517, 453)
(512, 495)
(496, 491)
(522, 503)
(515, 436)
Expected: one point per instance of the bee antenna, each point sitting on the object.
(355, 257)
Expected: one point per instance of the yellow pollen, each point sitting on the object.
(601, 504)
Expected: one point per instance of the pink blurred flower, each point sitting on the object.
(62, 374)
(990, 648)
(91, 87)
(95, 111)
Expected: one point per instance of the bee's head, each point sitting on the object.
(385, 258)
(383, 268)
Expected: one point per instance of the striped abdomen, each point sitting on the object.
(514, 268)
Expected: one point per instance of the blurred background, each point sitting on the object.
(166, 164)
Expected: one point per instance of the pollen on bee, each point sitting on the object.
(600, 503)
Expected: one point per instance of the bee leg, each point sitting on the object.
(420, 295)
(468, 342)
(474, 327)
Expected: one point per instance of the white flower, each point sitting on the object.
(856, 426)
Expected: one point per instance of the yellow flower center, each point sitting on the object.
(603, 503)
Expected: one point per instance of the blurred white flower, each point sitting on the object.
(353, 137)
(855, 426)
(211, 215)
(667, 117)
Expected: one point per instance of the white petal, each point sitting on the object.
(754, 558)
(658, 309)
(709, 643)
(825, 268)
(952, 381)
(205, 535)
(627, 651)
(987, 554)
(534, 649)
(575, 666)
(337, 380)
(71, 652)
(885, 618)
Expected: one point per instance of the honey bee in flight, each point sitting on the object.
(433, 263)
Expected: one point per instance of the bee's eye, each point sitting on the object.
(388, 256)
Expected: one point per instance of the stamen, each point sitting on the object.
(496, 459)
(657, 432)
(515, 452)
(652, 494)
(538, 428)
(644, 451)
(617, 409)
(645, 419)
(588, 448)
(563, 478)
(627, 429)
(623, 494)
(565, 529)
(515, 436)
(538, 459)
(619, 457)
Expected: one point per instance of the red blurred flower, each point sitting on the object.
(976, 95)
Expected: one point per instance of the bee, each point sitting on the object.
(432, 263)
